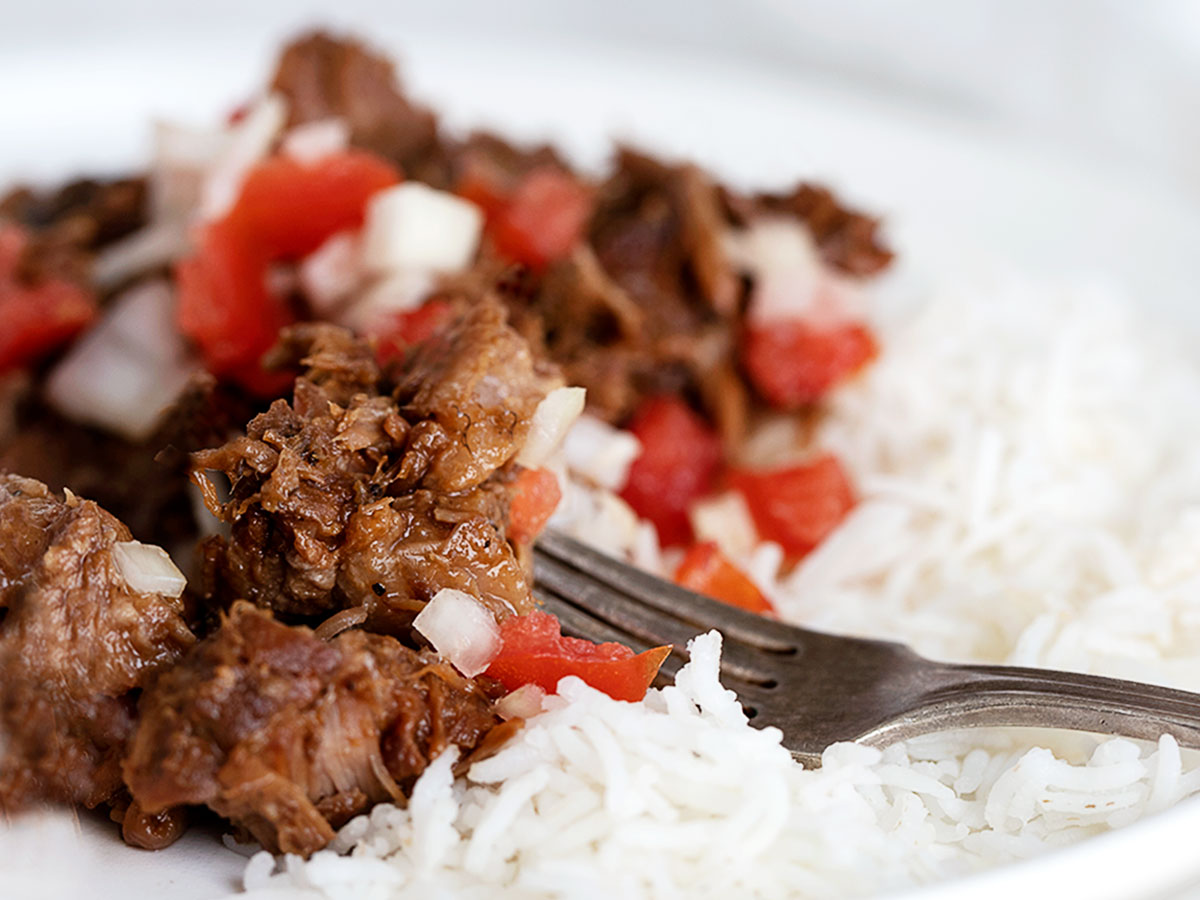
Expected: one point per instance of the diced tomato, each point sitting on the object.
(13, 241)
(288, 208)
(534, 651)
(535, 496)
(484, 187)
(35, 319)
(793, 363)
(224, 305)
(535, 219)
(797, 506)
(39, 319)
(402, 330)
(678, 463)
(543, 219)
(705, 570)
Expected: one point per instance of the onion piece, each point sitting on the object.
(782, 257)
(143, 318)
(182, 158)
(725, 519)
(551, 421)
(790, 279)
(599, 452)
(523, 703)
(148, 569)
(128, 369)
(311, 142)
(413, 226)
(332, 273)
(148, 248)
(401, 292)
(249, 141)
(461, 629)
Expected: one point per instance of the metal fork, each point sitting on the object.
(820, 688)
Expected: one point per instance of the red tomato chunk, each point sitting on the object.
(706, 570)
(537, 220)
(35, 319)
(286, 210)
(224, 304)
(797, 506)
(794, 363)
(544, 218)
(534, 651)
(679, 461)
(406, 329)
(535, 496)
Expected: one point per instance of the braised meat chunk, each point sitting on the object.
(289, 736)
(77, 642)
(473, 392)
(69, 225)
(344, 498)
(400, 551)
(323, 77)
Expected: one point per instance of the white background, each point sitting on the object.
(1115, 79)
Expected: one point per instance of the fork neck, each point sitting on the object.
(960, 696)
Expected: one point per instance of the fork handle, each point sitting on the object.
(960, 696)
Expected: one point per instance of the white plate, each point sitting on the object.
(951, 191)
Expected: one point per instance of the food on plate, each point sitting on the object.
(90, 617)
(336, 369)
(288, 735)
(355, 497)
(350, 337)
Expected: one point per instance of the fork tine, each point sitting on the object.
(702, 612)
(578, 623)
(650, 625)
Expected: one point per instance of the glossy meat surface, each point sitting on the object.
(347, 498)
(289, 736)
(76, 643)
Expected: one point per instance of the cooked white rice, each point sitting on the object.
(1029, 495)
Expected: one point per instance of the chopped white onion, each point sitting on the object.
(523, 703)
(600, 453)
(249, 141)
(182, 158)
(183, 146)
(313, 141)
(143, 318)
(101, 383)
(726, 520)
(790, 279)
(551, 421)
(782, 257)
(330, 274)
(128, 369)
(148, 569)
(413, 226)
(147, 248)
(461, 629)
(402, 292)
